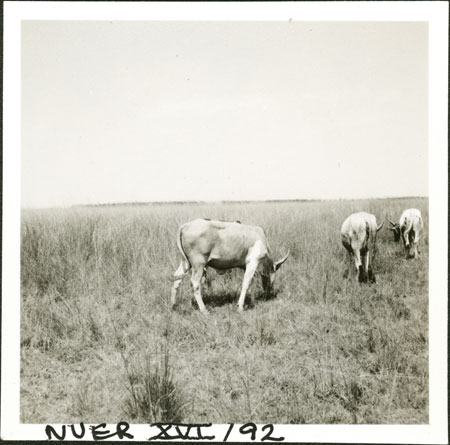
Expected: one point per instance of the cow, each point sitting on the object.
(222, 246)
(358, 235)
(409, 228)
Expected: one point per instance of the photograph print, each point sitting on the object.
(225, 221)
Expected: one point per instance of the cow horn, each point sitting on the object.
(392, 222)
(277, 265)
(380, 226)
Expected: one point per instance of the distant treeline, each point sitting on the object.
(162, 203)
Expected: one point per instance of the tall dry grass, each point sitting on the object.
(98, 346)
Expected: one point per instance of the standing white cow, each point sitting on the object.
(409, 227)
(359, 235)
(222, 246)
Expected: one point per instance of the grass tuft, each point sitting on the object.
(154, 396)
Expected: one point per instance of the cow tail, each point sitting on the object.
(367, 232)
(410, 224)
(181, 249)
(369, 235)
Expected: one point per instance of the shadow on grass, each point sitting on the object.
(399, 254)
(268, 296)
(218, 298)
(214, 298)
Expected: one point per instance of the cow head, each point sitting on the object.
(395, 227)
(275, 266)
(268, 270)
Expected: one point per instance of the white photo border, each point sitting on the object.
(435, 13)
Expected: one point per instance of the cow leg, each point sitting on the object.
(265, 285)
(360, 267)
(403, 239)
(196, 278)
(176, 284)
(415, 242)
(357, 258)
(248, 275)
(358, 264)
(408, 251)
(406, 242)
(366, 262)
(412, 247)
(416, 252)
(416, 247)
(369, 270)
(205, 280)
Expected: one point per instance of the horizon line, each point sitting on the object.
(220, 201)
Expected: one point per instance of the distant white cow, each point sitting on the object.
(409, 227)
(223, 246)
(359, 235)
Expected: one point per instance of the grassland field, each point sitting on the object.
(100, 343)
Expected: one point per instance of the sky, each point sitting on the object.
(172, 111)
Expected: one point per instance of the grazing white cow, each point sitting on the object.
(409, 227)
(359, 234)
(223, 246)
